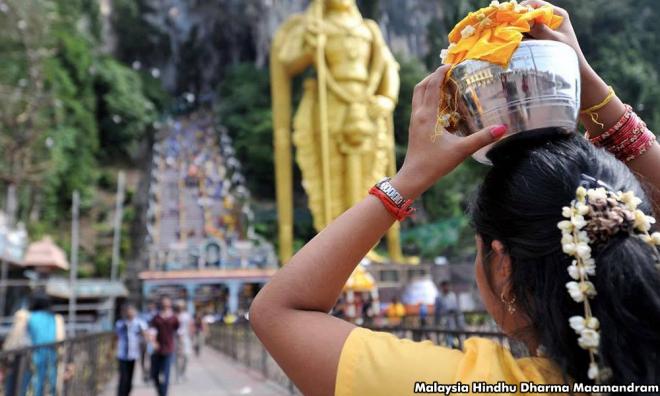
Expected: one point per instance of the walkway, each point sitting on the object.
(212, 374)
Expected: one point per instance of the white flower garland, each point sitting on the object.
(575, 243)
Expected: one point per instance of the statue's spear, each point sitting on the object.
(323, 112)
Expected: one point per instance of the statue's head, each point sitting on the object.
(340, 5)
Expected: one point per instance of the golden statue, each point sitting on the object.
(343, 129)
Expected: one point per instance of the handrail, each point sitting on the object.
(436, 329)
(239, 342)
(77, 366)
(78, 338)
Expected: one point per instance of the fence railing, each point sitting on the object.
(452, 338)
(79, 366)
(241, 344)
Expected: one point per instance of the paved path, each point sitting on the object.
(212, 374)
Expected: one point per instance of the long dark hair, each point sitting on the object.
(520, 203)
(40, 301)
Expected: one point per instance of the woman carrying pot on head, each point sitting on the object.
(567, 258)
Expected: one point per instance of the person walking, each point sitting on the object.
(44, 327)
(423, 314)
(130, 331)
(164, 325)
(184, 344)
(396, 311)
(200, 333)
(17, 338)
(451, 314)
(146, 347)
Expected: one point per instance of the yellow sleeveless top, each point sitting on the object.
(374, 363)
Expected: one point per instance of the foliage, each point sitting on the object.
(245, 111)
(620, 41)
(427, 239)
(412, 72)
(124, 113)
(55, 122)
(128, 22)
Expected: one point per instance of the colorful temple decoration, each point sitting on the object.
(203, 247)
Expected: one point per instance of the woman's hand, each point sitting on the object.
(564, 34)
(431, 156)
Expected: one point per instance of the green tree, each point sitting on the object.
(245, 111)
(66, 113)
(620, 41)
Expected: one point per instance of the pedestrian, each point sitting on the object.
(199, 333)
(395, 312)
(16, 338)
(437, 311)
(184, 344)
(452, 315)
(130, 331)
(164, 325)
(423, 313)
(368, 311)
(44, 327)
(146, 347)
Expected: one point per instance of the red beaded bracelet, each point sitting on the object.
(628, 139)
(614, 129)
(400, 213)
(645, 141)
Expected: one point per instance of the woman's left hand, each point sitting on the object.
(431, 156)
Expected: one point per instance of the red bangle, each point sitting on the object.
(598, 140)
(400, 213)
(627, 139)
(641, 146)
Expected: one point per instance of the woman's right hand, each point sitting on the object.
(564, 34)
(431, 156)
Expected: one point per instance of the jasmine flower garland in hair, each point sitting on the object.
(595, 215)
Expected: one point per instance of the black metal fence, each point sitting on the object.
(452, 338)
(75, 367)
(241, 344)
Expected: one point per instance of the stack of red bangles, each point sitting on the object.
(628, 139)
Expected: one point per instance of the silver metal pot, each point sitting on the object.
(540, 89)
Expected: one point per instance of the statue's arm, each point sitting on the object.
(390, 83)
(296, 53)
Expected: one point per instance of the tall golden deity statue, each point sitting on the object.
(343, 129)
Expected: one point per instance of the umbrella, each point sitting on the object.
(45, 254)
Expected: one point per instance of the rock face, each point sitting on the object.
(199, 38)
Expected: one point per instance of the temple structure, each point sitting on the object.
(203, 248)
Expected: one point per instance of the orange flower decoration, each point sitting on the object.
(493, 33)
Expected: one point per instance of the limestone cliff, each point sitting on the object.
(195, 40)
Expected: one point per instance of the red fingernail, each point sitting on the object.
(498, 131)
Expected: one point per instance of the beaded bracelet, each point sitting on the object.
(646, 140)
(628, 139)
(614, 129)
